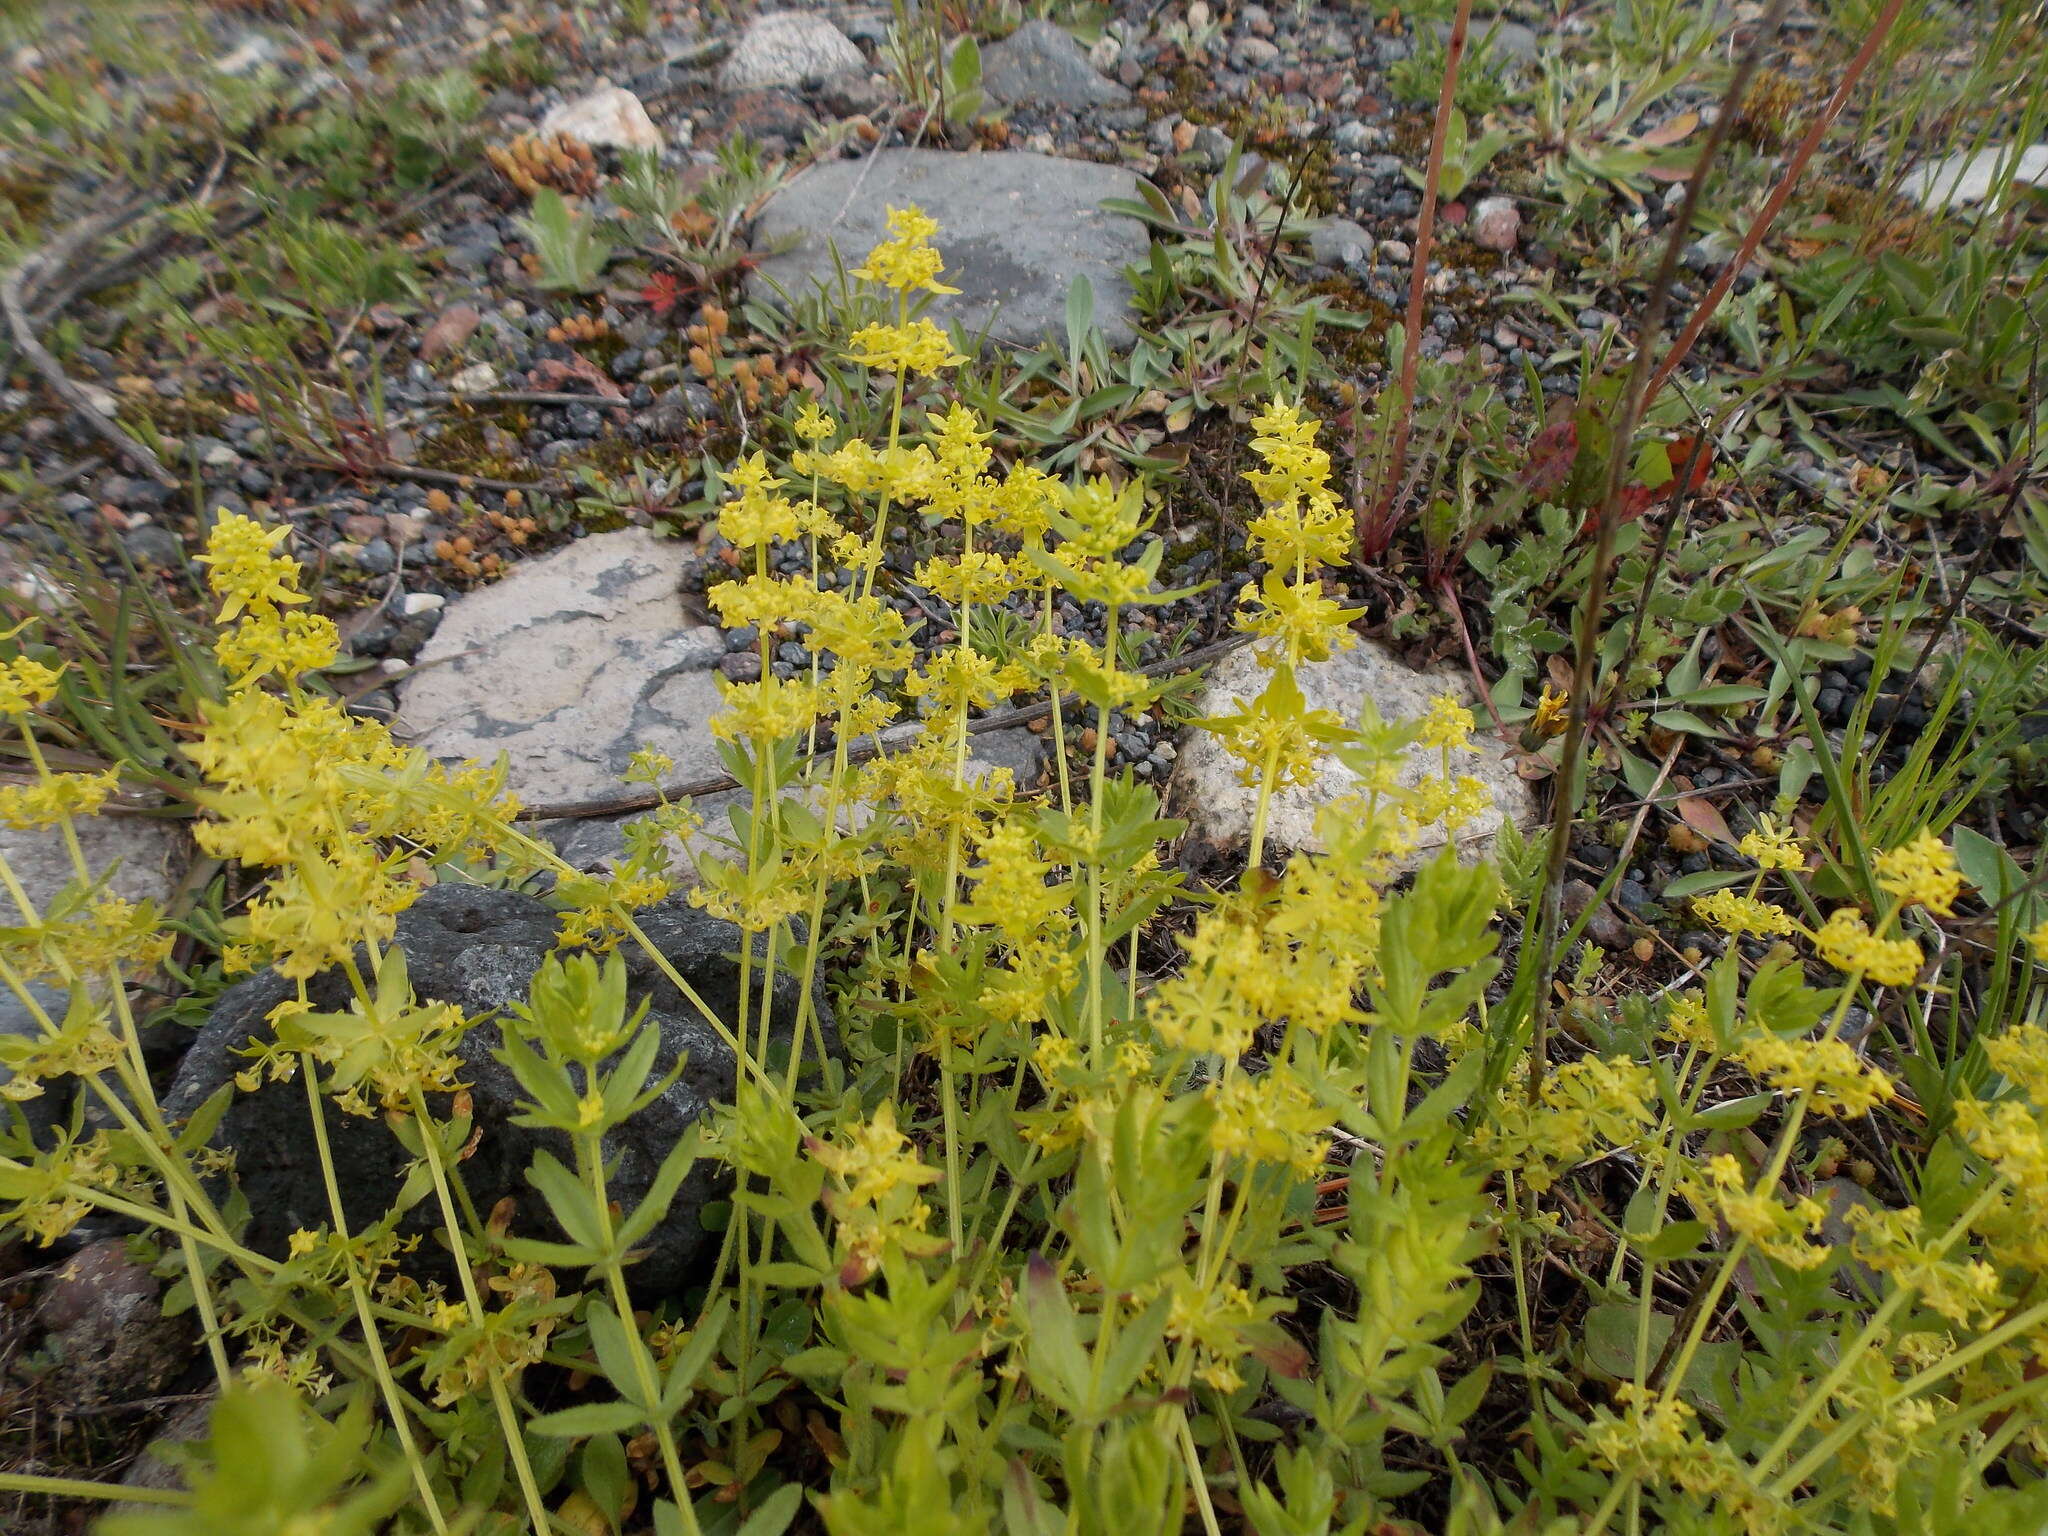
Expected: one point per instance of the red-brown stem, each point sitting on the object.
(1418, 276)
(1447, 589)
(1775, 204)
(1635, 397)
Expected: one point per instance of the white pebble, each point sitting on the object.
(421, 602)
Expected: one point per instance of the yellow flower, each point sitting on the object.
(1271, 1118)
(1448, 725)
(1553, 713)
(770, 710)
(1922, 870)
(906, 261)
(246, 571)
(1772, 846)
(1742, 914)
(1846, 942)
(291, 644)
(26, 683)
(52, 799)
(918, 346)
(1828, 1071)
(648, 766)
(814, 425)
(1784, 1232)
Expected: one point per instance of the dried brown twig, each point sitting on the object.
(56, 257)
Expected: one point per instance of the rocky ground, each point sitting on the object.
(519, 566)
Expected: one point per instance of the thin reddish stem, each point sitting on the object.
(1775, 204)
(1375, 539)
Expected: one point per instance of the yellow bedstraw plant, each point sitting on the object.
(1107, 1203)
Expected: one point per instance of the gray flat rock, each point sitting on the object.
(147, 858)
(1513, 43)
(1016, 229)
(1970, 177)
(568, 666)
(1219, 808)
(1041, 64)
(788, 48)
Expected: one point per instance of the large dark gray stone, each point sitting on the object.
(479, 949)
(1016, 230)
(1040, 64)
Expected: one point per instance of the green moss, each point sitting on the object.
(462, 446)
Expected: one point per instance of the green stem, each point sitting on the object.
(508, 1421)
(590, 1153)
(380, 1364)
(81, 1488)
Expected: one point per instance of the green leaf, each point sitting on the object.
(1677, 1241)
(775, 1513)
(1705, 880)
(668, 1178)
(616, 1353)
(602, 1472)
(1128, 1356)
(1080, 315)
(569, 1200)
(1731, 1116)
(1998, 879)
(588, 1419)
(689, 1361)
(1059, 1366)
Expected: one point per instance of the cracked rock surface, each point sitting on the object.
(569, 665)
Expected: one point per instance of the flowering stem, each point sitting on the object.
(1098, 775)
(136, 1075)
(1818, 1396)
(590, 1154)
(1255, 856)
(1781, 1153)
(2013, 1327)
(1059, 726)
(387, 1386)
(152, 1140)
(82, 1488)
(508, 1422)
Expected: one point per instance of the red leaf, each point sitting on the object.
(1704, 818)
(1638, 499)
(1551, 456)
(663, 293)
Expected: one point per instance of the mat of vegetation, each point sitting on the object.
(1391, 884)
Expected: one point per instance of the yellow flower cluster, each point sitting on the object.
(244, 568)
(327, 799)
(906, 261)
(1269, 1118)
(1584, 1107)
(911, 347)
(1742, 915)
(1772, 846)
(25, 684)
(1921, 872)
(1211, 1322)
(1783, 1232)
(1301, 528)
(876, 1176)
(1895, 1242)
(1654, 1440)
(56, 797)
(1834, 1078)
(1846, 942)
